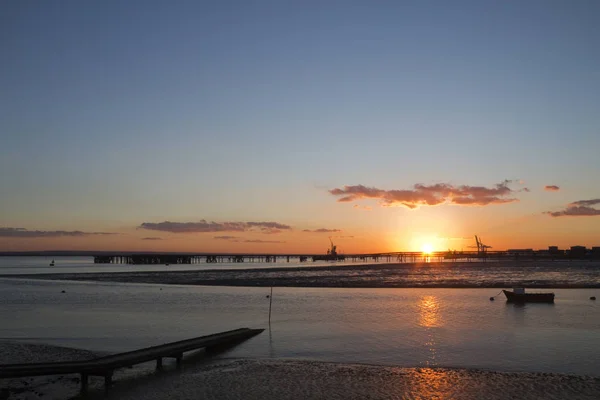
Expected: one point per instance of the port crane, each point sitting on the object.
(481, 248)
(333, 250)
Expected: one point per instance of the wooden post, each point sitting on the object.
(270, 303)
(178, 360)
(159, 363)
(84, 383)
(108, 380)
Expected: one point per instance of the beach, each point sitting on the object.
(232, 379)
(47, 387)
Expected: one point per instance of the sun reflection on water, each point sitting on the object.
(430, 318)
(429, 312)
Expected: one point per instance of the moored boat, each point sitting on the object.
(518, 295)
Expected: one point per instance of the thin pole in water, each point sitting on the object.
(270, 303)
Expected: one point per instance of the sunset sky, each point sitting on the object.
(269, 126)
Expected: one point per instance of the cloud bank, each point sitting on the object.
(580, 208)
(322, 230)
(262, 241)
(237, 239)
(205, 226)
(431, 195)
(551, 188)
(25, 233)
(152, 238)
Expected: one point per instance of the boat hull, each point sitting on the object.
(512, 297)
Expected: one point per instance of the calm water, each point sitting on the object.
(404, 327)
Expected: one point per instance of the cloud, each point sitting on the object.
(580, 208)
(25, 233)
(343, 237)
(551, 188)
(431, 195)
(585, 203)
(205, 226)
(152, 238)
(269, 225)
(262, 241)
(237, 239)
(367, 208)
(322, 230)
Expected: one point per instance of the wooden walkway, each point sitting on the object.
(105, 366)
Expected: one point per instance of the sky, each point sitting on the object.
(272, 126)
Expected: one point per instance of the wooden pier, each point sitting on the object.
(390, 257)
(105, 366)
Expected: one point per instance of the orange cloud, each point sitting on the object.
(322, 230)
(205, 226)
(263, 241)
(237, 239)
(431, 195)
(25, 233)
(551, 188)
(581, 208)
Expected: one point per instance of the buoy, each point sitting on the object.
(593, 298)
(63, 291)
(492, 299)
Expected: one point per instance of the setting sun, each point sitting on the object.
(427, 248)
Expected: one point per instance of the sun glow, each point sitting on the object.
(427, 248)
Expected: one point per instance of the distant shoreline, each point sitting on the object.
(393, 275)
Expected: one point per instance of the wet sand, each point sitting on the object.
(280, 379)
(406, 275)
(267, 379)
(57, 387)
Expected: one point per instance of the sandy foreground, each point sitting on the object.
(39, 387)
(290, 379)
(285, 379)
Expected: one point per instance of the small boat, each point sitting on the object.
(52, 263)
(518, 295)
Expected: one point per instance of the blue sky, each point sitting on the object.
(114, 113)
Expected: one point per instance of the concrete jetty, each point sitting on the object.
(105, 366)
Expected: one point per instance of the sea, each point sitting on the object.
(400, 327)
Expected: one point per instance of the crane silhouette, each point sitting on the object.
(481, 248)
